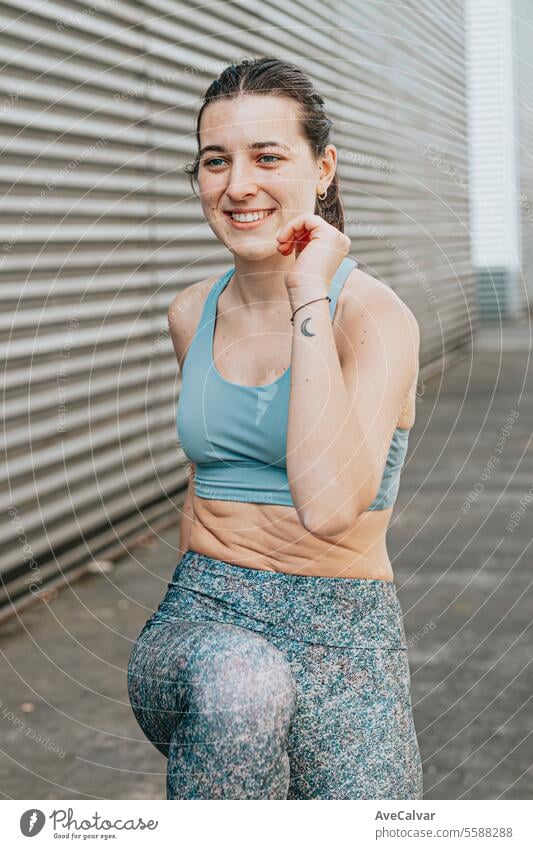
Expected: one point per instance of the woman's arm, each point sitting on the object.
(342, 418)
(187, 516)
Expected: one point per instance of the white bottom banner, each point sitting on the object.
(235, 824)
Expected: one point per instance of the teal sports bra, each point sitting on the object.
(236, 435)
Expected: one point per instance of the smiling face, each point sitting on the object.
(257, 171)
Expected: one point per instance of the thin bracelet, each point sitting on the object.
(308, 302)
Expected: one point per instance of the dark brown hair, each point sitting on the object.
(268, 75)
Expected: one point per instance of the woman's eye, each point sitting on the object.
(217, 161)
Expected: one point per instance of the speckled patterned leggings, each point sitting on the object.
(264, 685)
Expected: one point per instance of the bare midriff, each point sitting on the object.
(271, 537)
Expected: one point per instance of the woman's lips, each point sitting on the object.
(248, 225)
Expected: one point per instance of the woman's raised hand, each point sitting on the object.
(320, 249)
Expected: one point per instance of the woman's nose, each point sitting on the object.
(240, 183)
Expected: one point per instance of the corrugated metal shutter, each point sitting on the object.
(403, 69)
(85, 380)
(103, 113)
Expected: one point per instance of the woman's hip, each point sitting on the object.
(351, 613)
(342, 638)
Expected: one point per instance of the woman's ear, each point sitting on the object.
(328, 165)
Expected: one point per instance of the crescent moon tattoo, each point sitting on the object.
(304, 329)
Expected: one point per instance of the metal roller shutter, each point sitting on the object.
(404, 69)
(78, 280)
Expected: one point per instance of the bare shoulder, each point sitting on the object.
(184, 314)
(363, 297)
(374, 321)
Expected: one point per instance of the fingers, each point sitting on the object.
(299, 225)
(297, 233)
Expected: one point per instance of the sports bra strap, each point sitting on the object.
(338, 281)
(210, 304)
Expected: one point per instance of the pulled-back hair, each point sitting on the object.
(268, 75)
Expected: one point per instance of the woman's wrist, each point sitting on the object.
(307, 307)
(302, 294)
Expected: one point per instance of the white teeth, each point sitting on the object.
(249, 216)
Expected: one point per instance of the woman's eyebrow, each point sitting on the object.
(255, 146)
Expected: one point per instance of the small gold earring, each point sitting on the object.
(323, 196)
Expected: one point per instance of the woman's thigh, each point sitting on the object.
(227, 679)
(353, 735)
(345, 714)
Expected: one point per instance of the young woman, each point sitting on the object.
(276, 665)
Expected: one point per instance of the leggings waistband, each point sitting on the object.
(349, 612)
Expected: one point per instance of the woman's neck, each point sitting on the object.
(260, 284)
